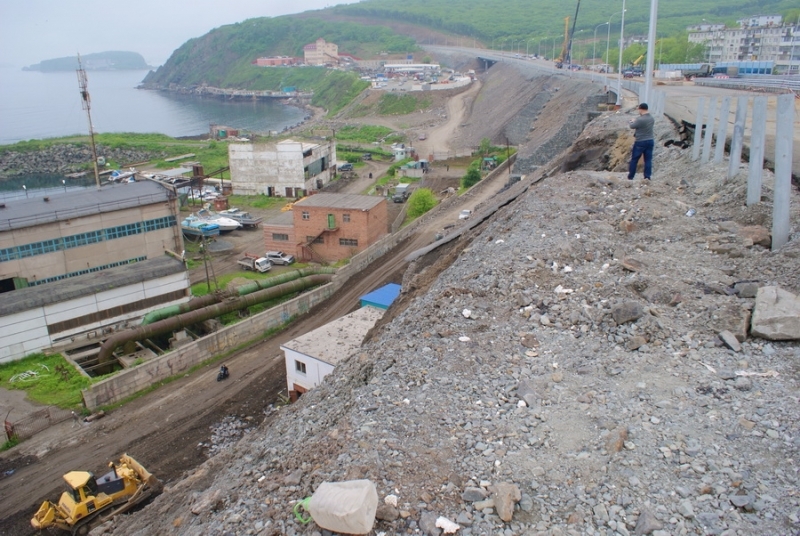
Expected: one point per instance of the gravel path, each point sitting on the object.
(564, 374)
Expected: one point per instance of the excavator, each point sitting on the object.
(566, 48)
(90, 501)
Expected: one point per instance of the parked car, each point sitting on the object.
(366, 156)
(279, 257)
(464, 214)
(346, 167)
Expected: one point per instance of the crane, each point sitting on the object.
(566, 49)
(565, 46)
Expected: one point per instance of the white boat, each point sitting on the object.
(225, 224)
(245, 218)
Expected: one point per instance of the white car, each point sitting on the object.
(464, 214)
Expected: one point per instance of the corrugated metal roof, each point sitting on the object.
(86, 285)
(381, 297)
(352, 201)
(21, 213)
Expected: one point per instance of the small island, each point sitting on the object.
(100, 61)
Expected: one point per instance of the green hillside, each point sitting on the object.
(223, 57)
(488, 20)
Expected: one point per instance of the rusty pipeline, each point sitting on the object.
(212, 311)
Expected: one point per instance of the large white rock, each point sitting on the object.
(776, 315)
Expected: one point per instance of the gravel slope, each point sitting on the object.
(563, 375)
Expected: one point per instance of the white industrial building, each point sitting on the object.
(287, 168)
(87, 308)
(311, 357)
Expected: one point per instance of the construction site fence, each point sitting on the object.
(35, 422)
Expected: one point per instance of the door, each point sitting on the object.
(331, 222)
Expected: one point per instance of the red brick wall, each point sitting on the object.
(287, 246)
(365, 227)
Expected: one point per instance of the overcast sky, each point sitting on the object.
(36, 30)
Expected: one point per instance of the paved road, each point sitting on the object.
(681, 102)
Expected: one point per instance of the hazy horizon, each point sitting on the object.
(38, 30)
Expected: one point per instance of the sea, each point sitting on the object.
(36, 105)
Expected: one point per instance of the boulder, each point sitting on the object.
(776, 315)
(757, 234)
(627, 312)
(505, 496)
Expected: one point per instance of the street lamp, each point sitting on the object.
(540, 45)
(594, 44)
(621, 43)
(554, 49)
(608, 36)
(527, 44)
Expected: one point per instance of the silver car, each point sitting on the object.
(279, 257)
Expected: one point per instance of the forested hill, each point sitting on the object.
(488, 20)
(100, 61)
(223, 57)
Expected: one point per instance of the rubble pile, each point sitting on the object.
(586, 365)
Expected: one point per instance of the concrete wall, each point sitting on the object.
(180, 360)
(27, 332)
(257, 167)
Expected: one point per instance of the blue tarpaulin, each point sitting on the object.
(382, 297)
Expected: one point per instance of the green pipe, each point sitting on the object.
(282, 278)
(205, 313)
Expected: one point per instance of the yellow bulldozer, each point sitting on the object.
(89, 501)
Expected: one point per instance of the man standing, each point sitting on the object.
(644, 142)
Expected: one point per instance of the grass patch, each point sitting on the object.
(390, 104)
(48, 380)
(261, 201)
(363, 134)
(201, 289)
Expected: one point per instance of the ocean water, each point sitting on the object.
(36, 105)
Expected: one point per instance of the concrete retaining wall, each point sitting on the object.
(180, 360)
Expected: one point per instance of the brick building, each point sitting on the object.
(329, 227)
(272, 61)
(321, 53)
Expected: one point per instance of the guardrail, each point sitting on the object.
(782, 85)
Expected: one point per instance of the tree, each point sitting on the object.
(472, 178)
(420, 202)
(485, 147)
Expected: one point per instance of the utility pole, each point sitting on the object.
(651, 48)
(86, 102)
(621, 42)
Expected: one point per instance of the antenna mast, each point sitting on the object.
(86, 102)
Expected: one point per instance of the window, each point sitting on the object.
(346, 218)
(280, 237)
(306, 215)
(300, 367)
(315, 239)
(348, 242)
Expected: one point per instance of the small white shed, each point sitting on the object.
(311, 357)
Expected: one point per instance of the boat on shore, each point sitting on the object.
(245, 218)
(195, 228)
(225, 224)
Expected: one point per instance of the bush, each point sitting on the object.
(472, 178)
(420, 202)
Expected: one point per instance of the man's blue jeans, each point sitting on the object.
(643, 147)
